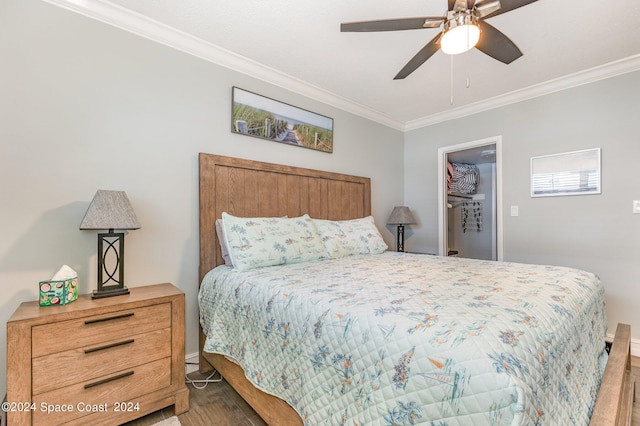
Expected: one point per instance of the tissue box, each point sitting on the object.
(58, 292)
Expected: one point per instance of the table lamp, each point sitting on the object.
(110, 210)
(401, 215)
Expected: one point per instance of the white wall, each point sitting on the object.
(84, 106)
(597, 233)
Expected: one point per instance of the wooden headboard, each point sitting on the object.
(256, 189)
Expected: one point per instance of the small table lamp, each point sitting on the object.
(110, 210)
(401, 215)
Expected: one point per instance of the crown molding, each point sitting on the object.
(143, 26)
(591, 75)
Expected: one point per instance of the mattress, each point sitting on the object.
(401, 339)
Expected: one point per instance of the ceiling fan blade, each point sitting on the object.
(508, 5)
(497, 45)
(393, 24)
(420, 58)
(487, 7)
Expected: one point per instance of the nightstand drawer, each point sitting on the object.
(93, 330)
(81, 364)
(125, 385)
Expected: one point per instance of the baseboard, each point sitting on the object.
(191, 362)
(635, 345)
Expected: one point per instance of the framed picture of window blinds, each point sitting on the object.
(569, 173)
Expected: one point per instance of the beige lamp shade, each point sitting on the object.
(401, 215)
(110, 210)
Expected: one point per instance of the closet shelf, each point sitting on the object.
(454, 195)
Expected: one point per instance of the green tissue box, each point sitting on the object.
(58, 292)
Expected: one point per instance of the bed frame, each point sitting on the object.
(254, 189)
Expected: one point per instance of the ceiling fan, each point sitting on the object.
(463, 27)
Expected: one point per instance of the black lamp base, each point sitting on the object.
(400, 240)
(110, 265)
(109, 293)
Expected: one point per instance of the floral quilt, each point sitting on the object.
(402, 339)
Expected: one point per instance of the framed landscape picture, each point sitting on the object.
(266, 118)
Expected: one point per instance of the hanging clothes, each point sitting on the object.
(463, 178)
(471, 216)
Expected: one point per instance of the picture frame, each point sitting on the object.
(569, 173)
(266, 118)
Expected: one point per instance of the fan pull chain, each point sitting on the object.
(451, 82)
(466, 58)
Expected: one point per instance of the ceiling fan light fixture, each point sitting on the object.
(461, 33)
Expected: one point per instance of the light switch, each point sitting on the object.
(636, 206)
(514, 211)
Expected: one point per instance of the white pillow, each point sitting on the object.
(349, 237)
(224, 251)
(265, 241)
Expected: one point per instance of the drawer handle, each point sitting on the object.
(112, 345)
(110, 379)
(130, 314)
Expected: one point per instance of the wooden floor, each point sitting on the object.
(219, 404)
(216, 404)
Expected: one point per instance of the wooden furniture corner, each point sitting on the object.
(614, 404)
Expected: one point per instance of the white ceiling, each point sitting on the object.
(297, 44)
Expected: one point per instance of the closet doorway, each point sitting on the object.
(470, 199)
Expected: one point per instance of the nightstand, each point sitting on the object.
(97, 361)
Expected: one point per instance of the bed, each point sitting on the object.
(388, 386)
